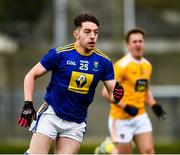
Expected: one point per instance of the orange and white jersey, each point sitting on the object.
(134, 75)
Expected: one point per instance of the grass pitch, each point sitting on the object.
(88, 148)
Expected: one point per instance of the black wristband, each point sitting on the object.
(28, 104)
(157, 108)
(131, 110)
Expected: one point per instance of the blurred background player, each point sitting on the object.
(133, 71)
(76, 70)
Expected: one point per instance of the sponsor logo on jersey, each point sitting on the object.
(80, 82)
(84, 65)
(84, 61)
(69, 62)
(141, 85)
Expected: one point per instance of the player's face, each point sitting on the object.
(86, 36)
(136, 45)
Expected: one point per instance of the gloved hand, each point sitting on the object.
(118, 92)
(131, 110)
(159, 111)
(28, 112)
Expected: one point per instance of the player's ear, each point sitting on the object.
(126, 44)
(75, 33)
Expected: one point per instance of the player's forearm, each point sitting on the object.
(151, 102)
(29, 81)
(110, 99)
(29, 84)
(105, 94)
(109, 95)
(150, 99)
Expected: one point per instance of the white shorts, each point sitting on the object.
(48, 123)
(123, 131)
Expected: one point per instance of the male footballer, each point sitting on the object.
(76, 70)
(133, 71)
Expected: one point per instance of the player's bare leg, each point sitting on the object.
(145, 143)
(66, 146)
(122, 148)
(40, 144)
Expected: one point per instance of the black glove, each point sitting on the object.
(28, 112)
(118, 92)
(131, 110)
(158, 110)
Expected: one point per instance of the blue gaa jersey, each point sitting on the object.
(74, 79)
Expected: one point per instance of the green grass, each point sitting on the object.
(88, 148)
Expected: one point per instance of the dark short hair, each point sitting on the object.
(85, 17)
(134, 31)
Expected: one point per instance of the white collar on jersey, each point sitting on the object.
(133, 59)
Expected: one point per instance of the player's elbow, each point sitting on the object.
(29, 77)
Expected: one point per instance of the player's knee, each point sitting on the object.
(122, 150)
(115, 151)
(147, 150)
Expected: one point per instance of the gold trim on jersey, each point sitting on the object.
(65, 48)
(98, 52)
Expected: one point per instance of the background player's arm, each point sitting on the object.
(157, 108)
(29, 80)
(149, 98)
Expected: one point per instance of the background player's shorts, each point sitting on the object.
(123, 131)
(48, 123)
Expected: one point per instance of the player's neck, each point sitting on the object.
(81, 50)
(136, 58)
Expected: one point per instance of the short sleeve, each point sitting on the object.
(119, 71)
(108, 71)
(150, 68)
(49, 60)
